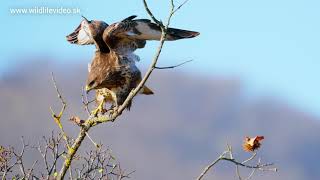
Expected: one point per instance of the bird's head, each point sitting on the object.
(95, 27)
(87, 31)
(91, 84)
(93, 80)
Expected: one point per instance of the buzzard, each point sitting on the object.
(113, 71)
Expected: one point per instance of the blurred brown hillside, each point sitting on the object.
(176, 132)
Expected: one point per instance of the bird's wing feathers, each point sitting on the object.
(129, 18)
(81, 35)
(147, 30)
(133, 29)
(144, 29)
(118, 36)
(129, 33)
(113, 79)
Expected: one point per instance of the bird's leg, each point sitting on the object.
(100, 108)
(114, 106)
(113, 109)
(103, 110)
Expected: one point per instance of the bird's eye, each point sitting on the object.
(91, 84)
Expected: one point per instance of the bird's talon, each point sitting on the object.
(100, 108)
(95, 112)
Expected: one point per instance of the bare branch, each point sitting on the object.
(206, 169)
(223, 157)
(174, 66)
(57, 118)
(100, 164)
(250, 158)
(50, 151)
(98, 161)
(85, 101)
(179, 7)
(151, 14)
(19, 157)
(57, 90)
(94, 143)
(31, 170)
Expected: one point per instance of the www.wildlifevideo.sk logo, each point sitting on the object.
(45, 10)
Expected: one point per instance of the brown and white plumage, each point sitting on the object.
(105, 95)
(113, 66)
(114, 77)
(124, 36)
(116, 73)
(89, 33)
(108, 69)
(130, 34)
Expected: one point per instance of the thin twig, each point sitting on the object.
(207, 168)
(94, 143)
(85, 101)
(70, 173)
(151, 15)
(31, 169)
(249, 159)
(57, 89)
(57, 118)
(179, 7)
(174, 66)
(243, 162)
(20, 157)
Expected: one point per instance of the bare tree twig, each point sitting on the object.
(243, 162)
(85, 101)
(223, 157)
(174, 66)
(250, 158)
(179, 7)
(57, 90)
(57, 118)
(207, 168)
(151, 15)
(98, 161)
(94, 143)
(70, 173)
(19, 157)
(31, 169)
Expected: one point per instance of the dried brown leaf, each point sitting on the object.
(252, 144)
(76, 120)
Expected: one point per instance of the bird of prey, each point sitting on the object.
(113, 66)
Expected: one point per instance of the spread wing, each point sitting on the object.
(144, 29)
(132, 33)
(115, 36)
(81, 35)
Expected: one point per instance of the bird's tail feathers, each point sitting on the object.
(146, 91)
(175, 34)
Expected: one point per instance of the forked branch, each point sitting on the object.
(228, 156)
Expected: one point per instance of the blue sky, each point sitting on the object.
(272, 46)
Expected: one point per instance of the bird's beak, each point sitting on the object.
(88, 89)
(85, 19)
